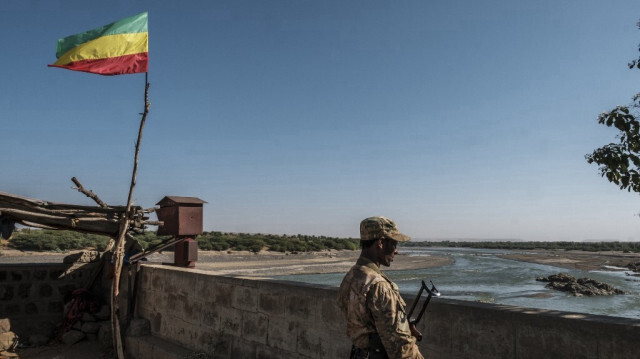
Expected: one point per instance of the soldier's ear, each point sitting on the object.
(380, 243)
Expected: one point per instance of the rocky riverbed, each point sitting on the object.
(634, 267)
(580, 286)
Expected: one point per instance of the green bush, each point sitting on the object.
(56, 241)
(61, 241)
(52, 240)
(150, 239)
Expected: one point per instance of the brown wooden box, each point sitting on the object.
(182, 216)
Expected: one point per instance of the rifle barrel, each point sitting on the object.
(415, 302)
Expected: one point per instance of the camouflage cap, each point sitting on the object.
(380, 227)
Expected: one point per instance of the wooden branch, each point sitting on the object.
(16, 200)
(88, 193)
(94, 225)
(110, 245)
(96, 220)
(119, 248)
(118, 253)
(171, 241)
(12, 198)
(57, 209)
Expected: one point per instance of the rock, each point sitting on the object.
(87, 317)
(8, 340)
(90, 328)
(634, 267)
(138, 327)
(72, 336)
(82, 257)
(560, 277)
(578, 287)
(38, 340)
(77, 325)
(104, 313)
(5, 325)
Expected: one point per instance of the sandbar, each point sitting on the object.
(267, 264)
(581, 260)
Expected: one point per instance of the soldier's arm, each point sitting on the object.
(392, 323)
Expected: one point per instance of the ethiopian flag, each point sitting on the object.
(119, 48)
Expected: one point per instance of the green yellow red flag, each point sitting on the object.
(121, 47)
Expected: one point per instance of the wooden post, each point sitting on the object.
(118, 254)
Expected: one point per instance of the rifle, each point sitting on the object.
(433, 292)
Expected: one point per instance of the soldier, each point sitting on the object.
(377, 323)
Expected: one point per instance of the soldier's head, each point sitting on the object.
(379, 237)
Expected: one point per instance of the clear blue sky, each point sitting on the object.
(457, 119)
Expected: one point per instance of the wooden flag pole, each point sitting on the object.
(118, 253)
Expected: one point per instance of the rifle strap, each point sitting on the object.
(376, 349)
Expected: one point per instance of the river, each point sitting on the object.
(480, 275)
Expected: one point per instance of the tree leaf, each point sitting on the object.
(620, 163)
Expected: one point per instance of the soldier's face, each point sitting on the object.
(388, 251)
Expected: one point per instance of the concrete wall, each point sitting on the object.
(242, 318)
(32, 296)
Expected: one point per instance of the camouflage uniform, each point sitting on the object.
(372, 305)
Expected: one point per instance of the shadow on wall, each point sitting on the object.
(33, 296)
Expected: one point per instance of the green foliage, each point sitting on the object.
(149, 239)
(51, 240)
(221, 241)
(60, 241)
(630, 247)
(56, 241)
(620, 162)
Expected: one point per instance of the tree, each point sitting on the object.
(620, 162)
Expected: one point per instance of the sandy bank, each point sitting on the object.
(267, 264)
(577, 259)
(275, 263)
(263, 264)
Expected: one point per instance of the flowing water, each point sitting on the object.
(479, 275)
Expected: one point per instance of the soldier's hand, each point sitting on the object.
(415, 332)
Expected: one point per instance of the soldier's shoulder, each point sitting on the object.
(360, 270)
(362, 274)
